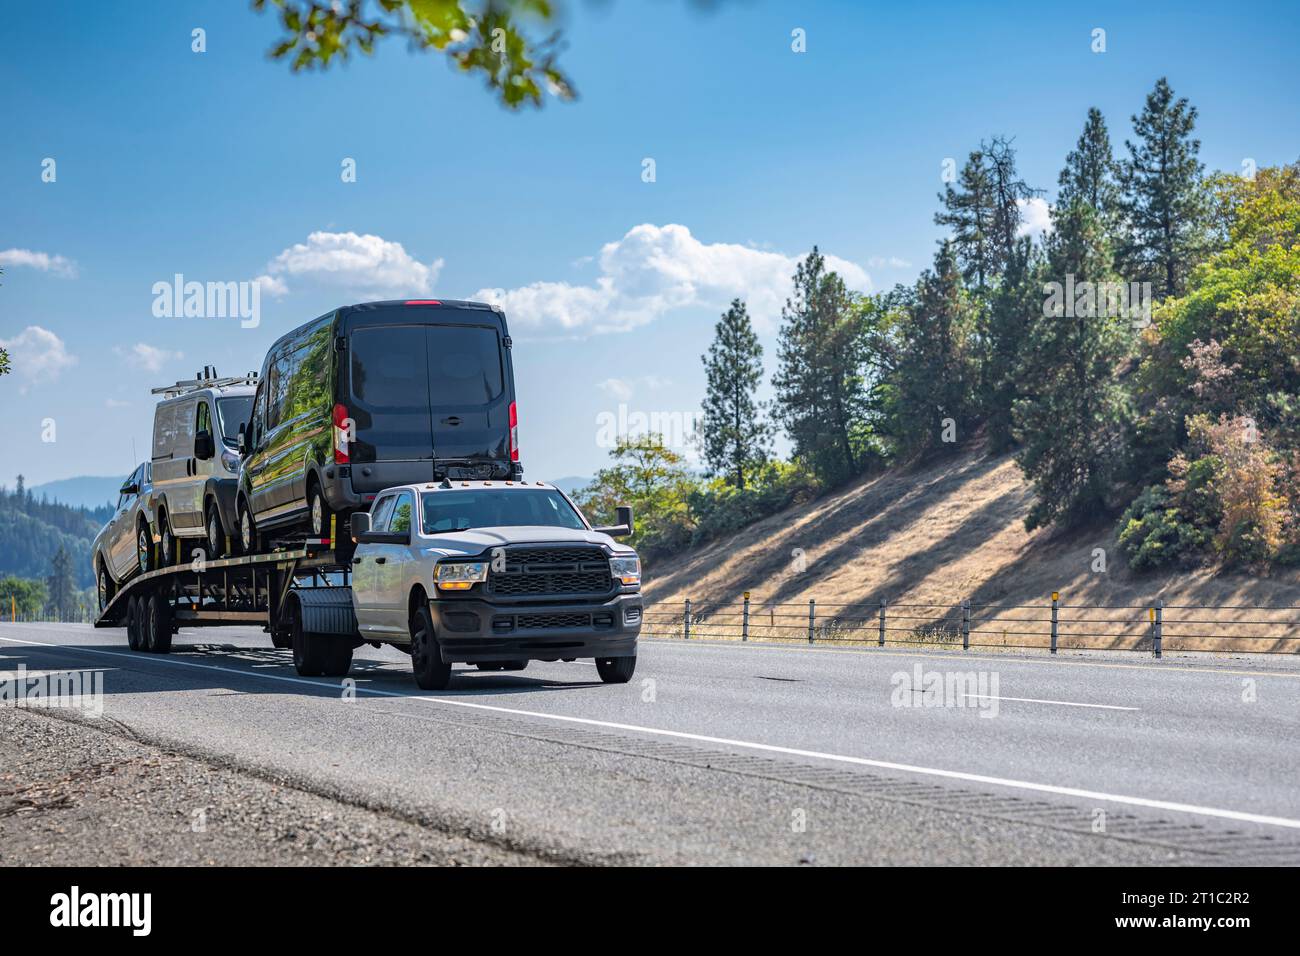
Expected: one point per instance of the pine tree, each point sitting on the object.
(934, 378)
(61, 587)
(1009, 192)
(1165, 202)
(985, 211)
(1091, 175)
(968, 210)
(819, 382)
(1010, 316)
(736, 437)
(1072, 419)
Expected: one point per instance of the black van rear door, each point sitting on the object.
(468, 400)
(417, 390)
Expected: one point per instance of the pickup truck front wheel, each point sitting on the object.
(616, 670)
(431, 672)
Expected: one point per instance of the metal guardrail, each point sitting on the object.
(1050, 625)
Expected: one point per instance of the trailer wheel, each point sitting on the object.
(157, 625)
(133, 622)
(616, 670)
(431, 672)
(316, 655)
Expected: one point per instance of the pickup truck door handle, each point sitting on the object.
(257, 469)
(357, 560)
(451, 420)
(381, 560)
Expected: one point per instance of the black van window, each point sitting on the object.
(464, 365)
(388, 366)
(277, 389)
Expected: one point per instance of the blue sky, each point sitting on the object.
(224, 166)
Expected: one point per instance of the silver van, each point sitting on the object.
(196, 463)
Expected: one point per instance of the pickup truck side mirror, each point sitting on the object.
(204, 447)
(129, 488)
(240, 439)
(359, 524)
(624, 528)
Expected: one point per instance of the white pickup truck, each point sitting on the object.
(494, 573)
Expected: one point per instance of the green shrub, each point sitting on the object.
(1154, 533)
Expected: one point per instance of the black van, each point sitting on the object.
(370, 396)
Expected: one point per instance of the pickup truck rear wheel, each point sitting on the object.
(431, 672)
(616, 670)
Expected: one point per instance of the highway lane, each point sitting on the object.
(711, 753)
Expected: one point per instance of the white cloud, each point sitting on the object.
(116, 403)
(37, 356)
(57, 265)
(367, 265)
(655, 269)
(1035, 217)
(147, 358)
(619, 388)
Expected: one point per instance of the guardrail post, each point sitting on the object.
(1157, 634)
(686, 622)
(882, 622)
(965, 625)
(812, 618)
(744, 620)
(1056, 599)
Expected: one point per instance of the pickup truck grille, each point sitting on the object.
(543, 572)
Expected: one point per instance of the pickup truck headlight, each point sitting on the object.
(626, 570)
(230, 461)
(460, 576)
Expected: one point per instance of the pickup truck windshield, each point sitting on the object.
(473, 508)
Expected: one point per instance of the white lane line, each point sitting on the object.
(1035, 700)
(1169, 806)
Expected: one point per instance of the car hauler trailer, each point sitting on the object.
(300, 592)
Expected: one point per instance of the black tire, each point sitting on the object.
(316, 655)
(105, 589)
(144, 548)
(431, 672)
(167, 547)
(133, 622)
(158, 625)
(318, 512)
(247, 529)
(214, 532)
(616, 670)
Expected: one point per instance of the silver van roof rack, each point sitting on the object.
(208, 378)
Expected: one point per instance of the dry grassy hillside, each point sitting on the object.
(954, 530)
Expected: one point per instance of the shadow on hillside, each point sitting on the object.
(858, 519)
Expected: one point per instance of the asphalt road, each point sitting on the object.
(730, 753)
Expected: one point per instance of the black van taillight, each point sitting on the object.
(514, 432)
(341, 429)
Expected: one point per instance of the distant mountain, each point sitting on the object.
(31, 531)
(88, 491)
(571, 484)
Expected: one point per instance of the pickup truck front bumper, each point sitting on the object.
(475, 631)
